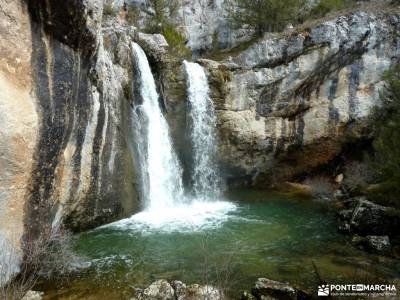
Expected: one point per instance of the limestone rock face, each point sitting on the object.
(204, 22)
(206, 25)
(153, 44)
(19, 123)
(65, 128)
(290, 102)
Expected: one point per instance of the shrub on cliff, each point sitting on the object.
(108, 10)
(48, 256)
(326, 6)
(164, 12)
(161, 22)
(265, 15)
(387, 141)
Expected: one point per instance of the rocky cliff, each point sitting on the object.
(65, 79)
(293, 101)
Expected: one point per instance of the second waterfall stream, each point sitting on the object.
(166, 206)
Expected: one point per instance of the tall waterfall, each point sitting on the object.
(205, 175)
(160, 171)
(166, 207)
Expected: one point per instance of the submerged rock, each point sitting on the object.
(380, 244)
(270, 289)
(247, 296)
(373, 243)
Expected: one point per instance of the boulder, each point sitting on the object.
(198, 292)
(33, 295)
(380, 244)
(270, 289)
(373, 243)
(155, 45)
(158, 290)
(369, 218)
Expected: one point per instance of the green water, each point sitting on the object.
(268, 235)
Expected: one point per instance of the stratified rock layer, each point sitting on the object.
(291, 102)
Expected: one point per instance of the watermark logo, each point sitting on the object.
(323, 290)
(368, 290)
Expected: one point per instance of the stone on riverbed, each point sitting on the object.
(270, 289)
(33, 295)
(177, 290)
(198, 292)
(158, 290)
(379, 244)
(373, 243)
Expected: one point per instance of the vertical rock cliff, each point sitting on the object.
(65, 124)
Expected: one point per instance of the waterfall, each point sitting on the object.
(205, 175)
(160, 171)
(166, 207)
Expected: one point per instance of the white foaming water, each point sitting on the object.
(160, 172)
(167, 209)
(195, 216)
(206, 176)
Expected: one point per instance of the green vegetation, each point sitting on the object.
(326, 6)
(132, 15)
(164, 12)
(161, 22)
(387, 141)
(108, 10)
(265, 15)
(176, 41)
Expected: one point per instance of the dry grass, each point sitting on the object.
(222, 271)
(47, 256)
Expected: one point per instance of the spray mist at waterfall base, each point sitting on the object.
(196, 215)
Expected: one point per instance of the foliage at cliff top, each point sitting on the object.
(265, 15)
(326, 6)
(160, 22)
(387, 141)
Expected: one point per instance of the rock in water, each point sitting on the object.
(369, 218)
(199, 292)
(33, 295)
(380, 244)
(158, 290)
(177, 290)
(266, 288)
